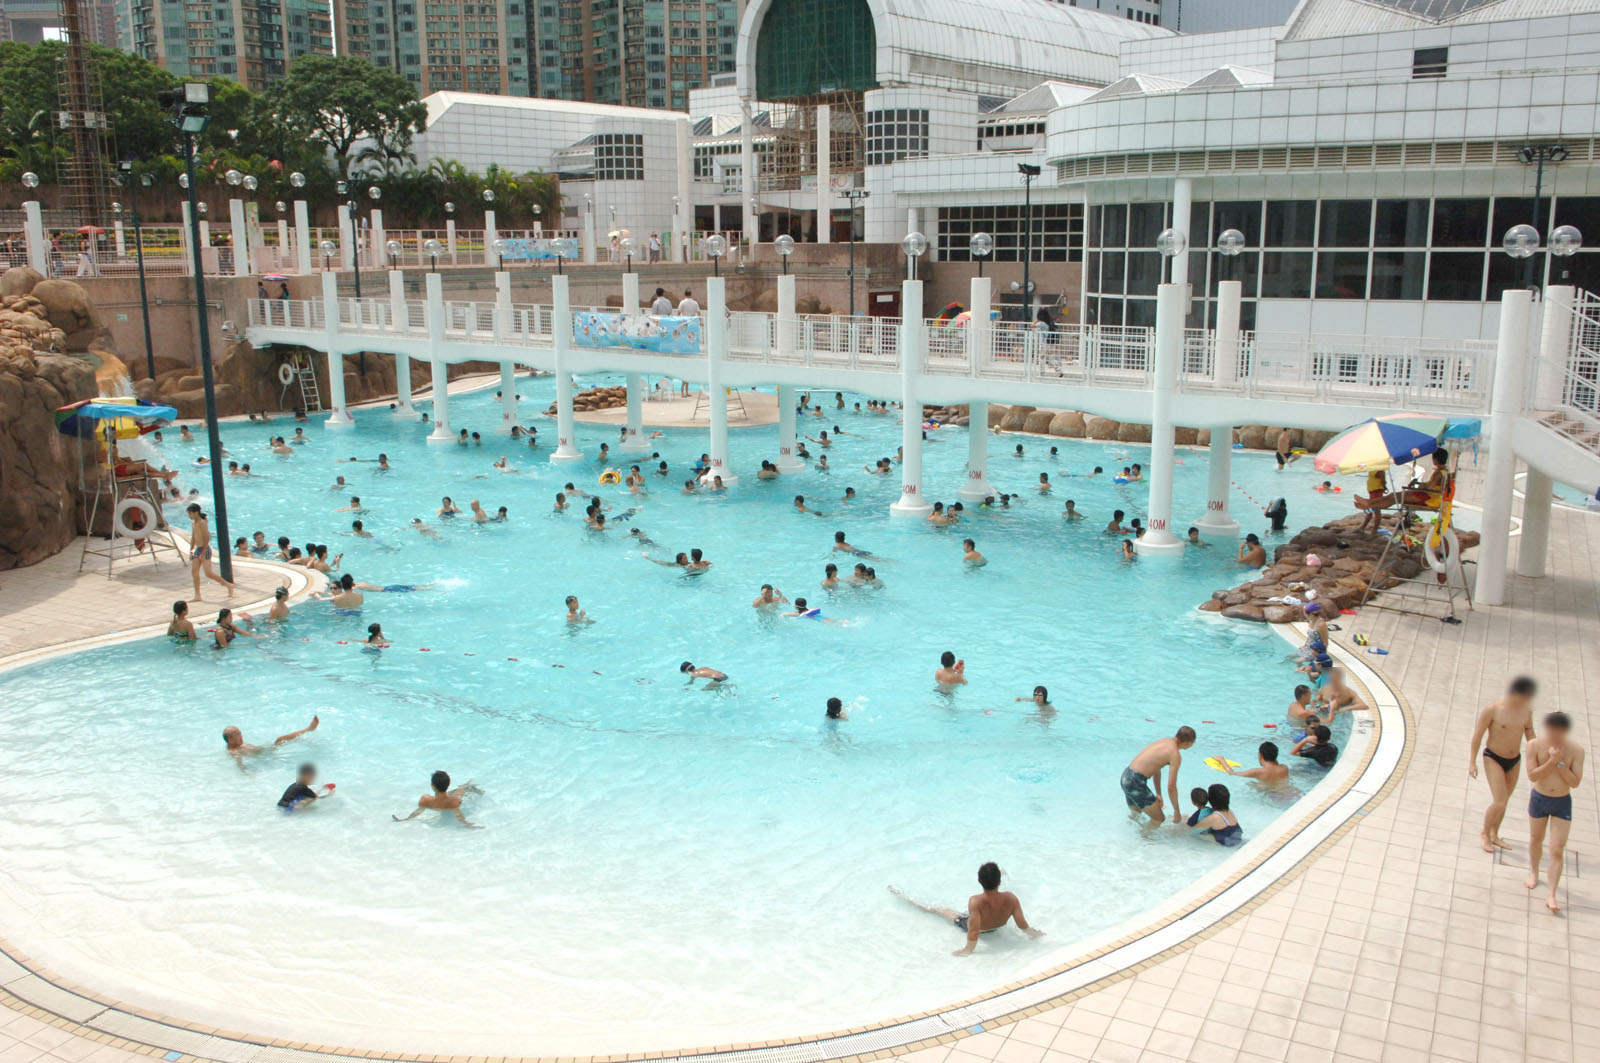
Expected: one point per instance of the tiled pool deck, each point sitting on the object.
(1399, 939)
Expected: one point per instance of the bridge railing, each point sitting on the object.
(1437, 374)
(870, 343)
(286, 313)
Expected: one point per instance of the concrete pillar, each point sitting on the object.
(588, 234)
(183, 238)
(434, 314)
(302, 238)
(120, 240)
(205, 240)
(680, 223)
(1555, 349)
(1533, 546)
(1516, 308)
(561, 338)
(635, 442)
(787, 462)
(38, 246)
(338, 411)
(400, 321)
(913, 352)
(380, 255)
(716, 391)
(502, 305)
(785, 335)
(349, 235)
(489, 237)
(824, 172)
(1218, 522)
(508, 397)
(716, 217)
(449, 239)
(241, 241)
(1158, 539)
(1182, 203)
(1225, 361)
(283, 244)
(980, 335)
(747, 160)
(630, 293)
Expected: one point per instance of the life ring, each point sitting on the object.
(1441, 550)
(611, 476)
(285, 374)
(123, 527)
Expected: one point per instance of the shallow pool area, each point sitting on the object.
(661, 865)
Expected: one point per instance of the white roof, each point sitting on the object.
(1137, 85)
(1000, 47)
(1231, 77)
(1043, 98)
(440, 102)
(1342, 18)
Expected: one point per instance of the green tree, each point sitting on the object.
(337, 102)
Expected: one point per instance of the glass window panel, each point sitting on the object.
(1200, 225)
(1286, 275)
(1247, 316)
(1111, 311)
(1581, 270)
(1197, 272)
(1507, 272)
(1401, 223)
(1397, 274)
(1116, 222)
(1244, 267)
(1460, 223)
(1145, 222)
(1456, 276)
(1345, 223)
(1342, 275)
(1144, 271)
(1111, 272)
(1094, 226)
(1141, 313)
(1245, 216)
(1291, 223)
(1582, 211)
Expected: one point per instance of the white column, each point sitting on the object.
(399, 321)
(1225, 365)
(561, 329)
(1516, 308)
(680, 226)
(433, 311)
(635, 442)
(1158, 539)
(38, 247)
(449, 239)
(980, 335)
(502, 305)
(747, 160)
(183, 236)
(241, 242)
(283, 244)
(1218, 522)
(508, 397)
(349, 234)
(489, 237)
(205, 240)
(1182, 203)
(1533, 545)
(1555, 346)
(824, 172)
(380, 256)
(630, 293)
(120, 242)
(338, 412)
(302, 238)
(913, 352)
(716, 392)
(588, 235)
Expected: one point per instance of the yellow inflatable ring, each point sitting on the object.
(611, 476)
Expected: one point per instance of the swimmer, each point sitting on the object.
(710, 675)
(280, 605)
(1270, 771)
(1194, 537)
(184, 434)
(717, 484)
(241, 547)
(661, 469)
(595, 521)
(283, 548)
(478, 514)
(343, 593)
(1018, 452)
(689, 487)
(180, 626)
(849, 495)
(1251, 553)
(768, 471)
(259, 544)
(822, 463)
(443, 799)
(836, 710)
(375, 637)
(822, 442)
(830, 576)
(1146, 767)
(300, 794)
(970, 554)
(1221, 824)
(1097, 471)
(280, 447)
(1041, 698)
(638, 535)
(1317, 746)
(355, 506)
(697, 561)
(1125, 551)
(424, 528)
(800, 507)
(200, 551)
(1497, 737)
(448, 509)
(1325, 486)
(842, 546)
(383, 464)
(1115, 527)
(561, 502)
(1071, 512)
(500, 516)
(299, 437)
(359, 530)
(939, 516)
(769, 598)
(680, 561)
(1300, 712)
(1285, 450)
(802, 611)
(986, 912)
(1044, 483)
(505, 466)
(226, 630)
(234, 470)
(575, 615)
(462, 440)
(1136, 474)
(238, 748)
(951, 672)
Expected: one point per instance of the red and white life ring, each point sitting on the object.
(285, 374)
(123, 527)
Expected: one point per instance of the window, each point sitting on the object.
(1285, 275)
(619, 157)
(1057, 232)
(1401, 223)
(1345, 223)
(1429, 62)
(1246, 217)
(1456, 276)
(1460, 222)
(1342, 275)
(898, 133)
(1290, 223)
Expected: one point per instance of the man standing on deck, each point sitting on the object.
(1507, 724)
(1555, 766)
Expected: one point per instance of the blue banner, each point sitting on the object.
(645, 332)
(526, 250)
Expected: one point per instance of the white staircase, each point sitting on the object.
(1560, 434)
(304, 373)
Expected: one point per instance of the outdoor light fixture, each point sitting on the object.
(1565, 240)
(1028, 171)
(281, 206)
(30, 180)
(449, 207)
(488, 195)
(393, 248)
(716, 246)
(784, 245)
(250, 182)
(297, 179)
(1521, 241)
(980, 246)
(629, 247)
(499, 249)
(855, 196)
(327, 247)
(234, 178)
(431, 248)
(914, 244)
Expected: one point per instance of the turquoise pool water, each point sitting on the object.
(661, 866)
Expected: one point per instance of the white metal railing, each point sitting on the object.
(1438, 374)
(286, 313)
(1564, 388)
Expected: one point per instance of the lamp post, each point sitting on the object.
(126, 178)
(393, 248)
(980, 246)
(1537, 155)
(1230, 242)
(187, 109)
(913, 244)
(855, 196)
(1028, 171)
(327, 247)
(629, 246)
(431, 248)
(499, 248)
(1565, 240)
(716, 246)
(784, 245)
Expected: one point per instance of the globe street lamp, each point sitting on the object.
(431, 248)
(393, 248)
(914, 244)
(980, 246)
(1565, 240)
(716, 246)
(628, 247)
(784, 245)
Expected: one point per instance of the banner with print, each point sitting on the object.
(525, 250)
(644, 332)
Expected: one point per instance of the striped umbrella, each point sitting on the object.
(1377, 444)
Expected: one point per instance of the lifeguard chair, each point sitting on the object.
(128, 488)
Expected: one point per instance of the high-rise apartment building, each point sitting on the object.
(32, 21)
(462, 47)
(251, 41)
(636, 53)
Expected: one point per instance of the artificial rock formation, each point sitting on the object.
(591, 399)
(1347, 562)
(1074, 424)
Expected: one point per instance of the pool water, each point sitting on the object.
(662, 866)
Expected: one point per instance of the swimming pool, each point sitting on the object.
(662, 866)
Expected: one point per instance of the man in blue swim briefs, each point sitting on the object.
(1146, 768)
(986, 912)
(1555, 767)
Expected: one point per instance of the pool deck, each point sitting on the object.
(1398, 940)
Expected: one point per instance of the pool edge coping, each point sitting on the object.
(1214, 901)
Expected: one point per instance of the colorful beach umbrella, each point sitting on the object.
(86, 419)
(1381, 442)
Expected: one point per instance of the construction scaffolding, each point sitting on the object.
(81, 114)
(794, 149)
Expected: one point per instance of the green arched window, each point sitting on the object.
(815, 47)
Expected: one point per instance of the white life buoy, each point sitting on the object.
(1449, 555)
(285, 374)
(147, 514)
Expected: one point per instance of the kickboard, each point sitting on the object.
(1217, 762)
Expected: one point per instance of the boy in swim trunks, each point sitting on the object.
(1501, 729)
(1555, 767)
(1146, 767)
(986, 912)
(710, 675)
(443, 799)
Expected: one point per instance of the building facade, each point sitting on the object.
(32, 21)
(633, 53)
(251, 41)
(442, 47)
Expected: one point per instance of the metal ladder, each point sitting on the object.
(305, 375)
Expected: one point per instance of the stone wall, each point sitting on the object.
(1075, 424)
